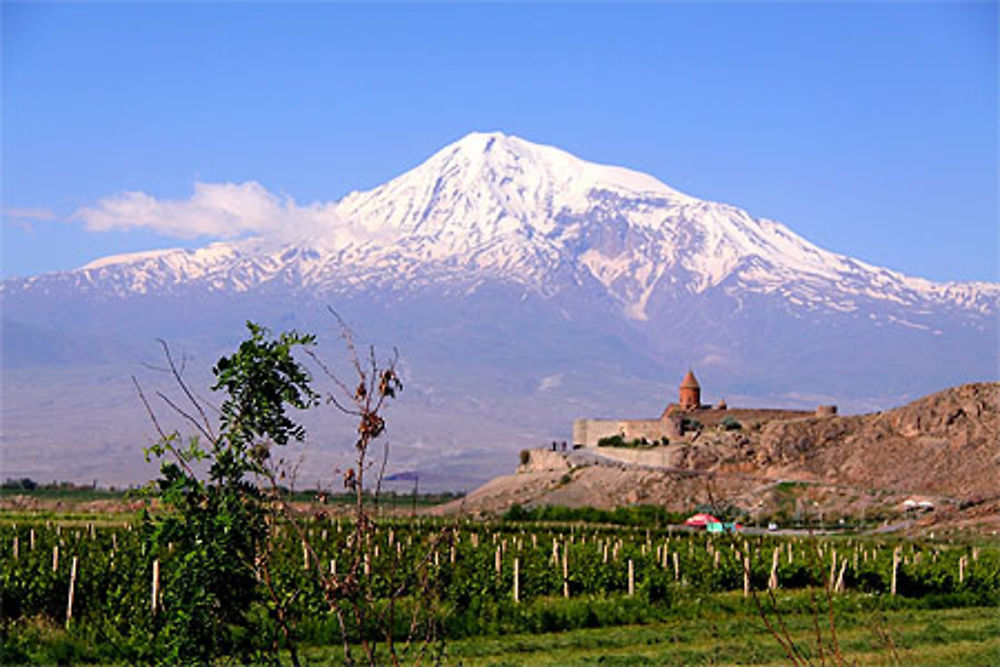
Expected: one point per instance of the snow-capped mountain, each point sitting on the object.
(520, 267)
(499, 207)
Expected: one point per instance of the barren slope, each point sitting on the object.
(944, 446)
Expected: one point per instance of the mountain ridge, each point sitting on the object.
(524, 287)
(541, 217)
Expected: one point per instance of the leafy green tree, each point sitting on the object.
(214, 538)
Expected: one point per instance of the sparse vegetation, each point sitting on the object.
(23, 484)
(636, 443)
(729, 423)
(646, 516)
(689, 424)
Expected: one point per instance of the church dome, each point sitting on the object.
(690, 381)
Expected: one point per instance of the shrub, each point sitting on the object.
(22, 484)
(611, 441)
(516, 512)
(525, 457)
(730, 424)
(688, 424)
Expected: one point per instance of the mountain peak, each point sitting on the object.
(515, 156)
(490, 184)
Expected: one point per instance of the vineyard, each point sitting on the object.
(112, 592)
(222, 565)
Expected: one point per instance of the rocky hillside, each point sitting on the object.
(946, 444)
(944, 447)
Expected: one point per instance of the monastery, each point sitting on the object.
(681, 419)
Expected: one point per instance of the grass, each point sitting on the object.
(712, 629)
(966, 636)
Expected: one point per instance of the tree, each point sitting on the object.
(216, 529)
(226, 596)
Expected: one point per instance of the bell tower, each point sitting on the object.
(690, 392)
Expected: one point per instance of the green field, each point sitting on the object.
(691, 598)
(964, 636)
(931, 637)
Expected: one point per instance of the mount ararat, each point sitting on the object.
(523, 287)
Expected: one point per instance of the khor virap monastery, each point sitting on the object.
(681, 418)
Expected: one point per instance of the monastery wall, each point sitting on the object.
(747, 417)
(586, 432)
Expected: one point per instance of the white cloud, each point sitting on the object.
(22, 218)
(220, 210)
(39, 214)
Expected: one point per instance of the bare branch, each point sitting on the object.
(188, 417)
(149, 409)
(178, 376)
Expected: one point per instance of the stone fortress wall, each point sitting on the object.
(587, 432)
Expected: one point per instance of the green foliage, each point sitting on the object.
(262, 378)
(729, 423)
(636, 443)
(525, 457)
(631, 515)
(688, 424)
(22, 484)
(611, 441)
(216, 533)
(113, 621)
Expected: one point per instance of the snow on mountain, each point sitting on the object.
(499, 207)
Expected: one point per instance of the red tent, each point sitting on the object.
(700, 520)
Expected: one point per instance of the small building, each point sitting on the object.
(917, 505)
(701, 520)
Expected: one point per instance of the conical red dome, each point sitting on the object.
(690, 381)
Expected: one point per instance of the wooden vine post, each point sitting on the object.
(155, 595)
(746, 576)
(895, 567)
(72, 589)
(631, 577)
(565, 570)
(517, 584)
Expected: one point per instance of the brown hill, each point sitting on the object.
(945, 444)
(944, 448)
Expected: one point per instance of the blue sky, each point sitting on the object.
(870, 129)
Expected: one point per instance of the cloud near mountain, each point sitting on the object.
(219, 210)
